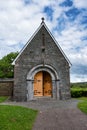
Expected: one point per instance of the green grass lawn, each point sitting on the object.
(16, 118)
(82, 98)
(82, 105)
(3, 98)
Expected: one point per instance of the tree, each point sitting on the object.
(6, 67)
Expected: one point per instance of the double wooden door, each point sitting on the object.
(42, 84)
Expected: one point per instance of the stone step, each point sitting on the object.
(44, 99)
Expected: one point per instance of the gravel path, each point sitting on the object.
(61, 119)
(56, 115)
(45, 104)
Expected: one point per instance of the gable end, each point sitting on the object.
(41, 25)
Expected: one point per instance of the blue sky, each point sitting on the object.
(66, 19)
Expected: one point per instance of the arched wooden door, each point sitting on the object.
(42, 84)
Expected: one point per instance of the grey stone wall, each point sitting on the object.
(6, 87)
(34, 55)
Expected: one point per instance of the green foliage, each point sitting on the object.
(82, 98)
(79, 85)
(83, 105)
(79, 89)
(78, 92)
(6, 67)
(3, 98)
(16, 118)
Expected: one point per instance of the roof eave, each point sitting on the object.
(58, 45)
(13, 63)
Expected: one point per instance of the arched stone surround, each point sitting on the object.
(54, 77)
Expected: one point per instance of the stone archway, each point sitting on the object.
(30, 80)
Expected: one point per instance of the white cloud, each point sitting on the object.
(78, 78)
(71, 42)
(80, 3)
(4, 49)
(18, 21)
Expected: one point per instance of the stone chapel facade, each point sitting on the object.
(41, 69)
